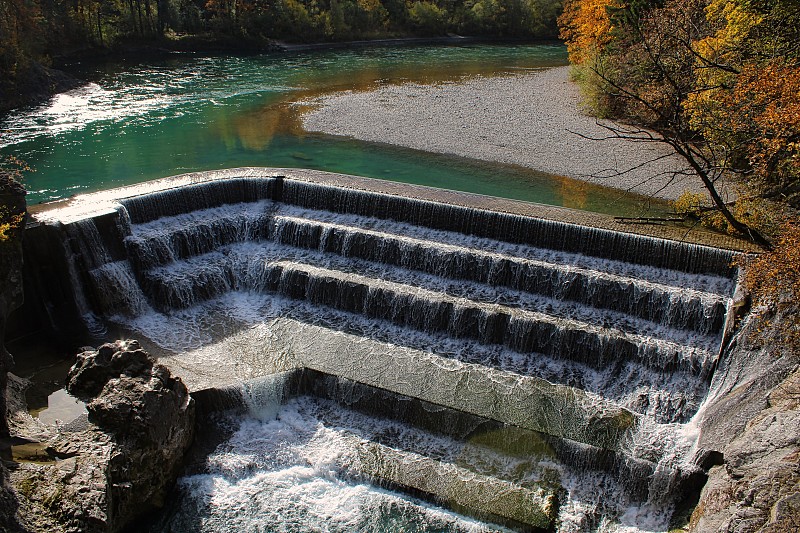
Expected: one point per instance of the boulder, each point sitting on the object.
(103, 478)
(95, 368)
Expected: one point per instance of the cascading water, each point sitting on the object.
(527, 372)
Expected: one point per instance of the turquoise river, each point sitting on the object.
(140, 120)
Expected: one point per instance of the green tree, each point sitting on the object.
(19, 44)
(427, 18)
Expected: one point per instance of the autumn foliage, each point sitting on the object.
(586, 27)
(763, 110)
(718, 79)
(774, 283)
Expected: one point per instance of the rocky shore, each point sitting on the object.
(104, 473)
(532, 120)
(752, 421)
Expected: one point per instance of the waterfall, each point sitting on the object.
(555, 364)
(264, 396)
(512, 228)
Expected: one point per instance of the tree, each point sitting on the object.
(427, 18)
(752, 106)
(699, 76)
(586, 28)
(19, 44)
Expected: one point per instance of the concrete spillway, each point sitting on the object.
(588, 349)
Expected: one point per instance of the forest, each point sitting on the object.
(719, 82)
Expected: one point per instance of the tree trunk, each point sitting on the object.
(736, 224)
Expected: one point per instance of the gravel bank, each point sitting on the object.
(533, 120)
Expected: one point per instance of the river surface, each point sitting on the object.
(136, 121)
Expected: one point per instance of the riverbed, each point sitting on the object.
(532, 118)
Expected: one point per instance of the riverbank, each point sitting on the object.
(533, 120)
(35, 84)
(451, 39)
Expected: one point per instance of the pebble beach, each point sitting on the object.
(533, 119)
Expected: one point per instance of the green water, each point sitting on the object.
(140, 121)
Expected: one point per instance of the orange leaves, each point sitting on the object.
(747, 98)
(768, 99)
(760, 116)
(773, 279)
(586, 27)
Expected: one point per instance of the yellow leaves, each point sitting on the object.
(753, 211)
(719, 55)
(586, 27)
(8, 223)
(11, 169)
(690, 203)
(370, 5)
(734, 23)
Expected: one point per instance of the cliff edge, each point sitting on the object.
(753, 419)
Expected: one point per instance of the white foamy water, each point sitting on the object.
(81, 107)
(298, 470)
(286, 474)
(141, 96)
(600, 363)
(700, 285)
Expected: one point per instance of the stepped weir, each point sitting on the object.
(531, 373)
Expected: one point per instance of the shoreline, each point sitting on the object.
(409, 41)
(204, 45)
(62, 77)
(532, 120)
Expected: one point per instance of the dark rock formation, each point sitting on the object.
(12, 204)
(94, 369)
(122, 466)
(754, 421)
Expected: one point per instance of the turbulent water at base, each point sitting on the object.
(283, 474)
(551, 367)
(139, 121)
(299, 471)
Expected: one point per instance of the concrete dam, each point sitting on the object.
(531, 374)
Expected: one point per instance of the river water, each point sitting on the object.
(136, 121)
